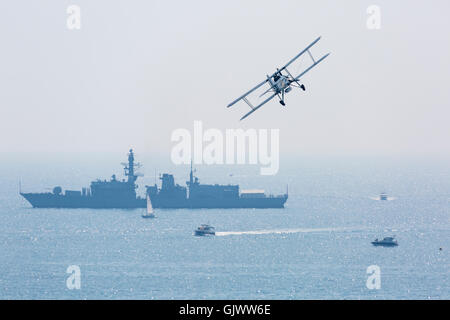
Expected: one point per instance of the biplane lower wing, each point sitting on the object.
(247, 93)
(259, 106)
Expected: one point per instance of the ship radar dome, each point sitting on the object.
(57, 190)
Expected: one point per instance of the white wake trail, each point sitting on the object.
(279, 231)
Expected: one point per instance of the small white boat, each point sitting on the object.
(205, 230)
(383, 196)
(149, 212)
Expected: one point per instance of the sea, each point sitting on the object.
(317, 247)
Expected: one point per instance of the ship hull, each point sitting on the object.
(237, 203)
(384, 244)
(49, 200)
(203, 234)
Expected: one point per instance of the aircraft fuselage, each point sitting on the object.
(281, 84)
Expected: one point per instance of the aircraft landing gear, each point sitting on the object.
(282, 103)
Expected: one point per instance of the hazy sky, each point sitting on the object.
(137, 70)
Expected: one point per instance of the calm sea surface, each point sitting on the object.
(318, 247)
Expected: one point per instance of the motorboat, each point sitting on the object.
(205, 230)
(383, 196)
(386, 242)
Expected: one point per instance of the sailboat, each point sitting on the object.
(149, 213)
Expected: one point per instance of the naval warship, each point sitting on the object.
(101, 194)
(122, 194)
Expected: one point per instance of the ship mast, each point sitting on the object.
(191, 176)
(192, 181)
(130, 167)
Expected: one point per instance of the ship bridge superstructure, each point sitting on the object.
(125, 189)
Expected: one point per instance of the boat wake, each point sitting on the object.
(280, 231)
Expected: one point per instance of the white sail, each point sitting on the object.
(149, 205)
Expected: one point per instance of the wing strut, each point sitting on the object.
(259, 106)
(247, 93)
(297, 56)
(310, 67)
(248, 102)
(312, 58)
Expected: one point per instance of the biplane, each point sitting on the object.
(281, 82)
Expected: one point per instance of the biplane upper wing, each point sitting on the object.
(300, 54)
(247, 93)
(311, 66)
